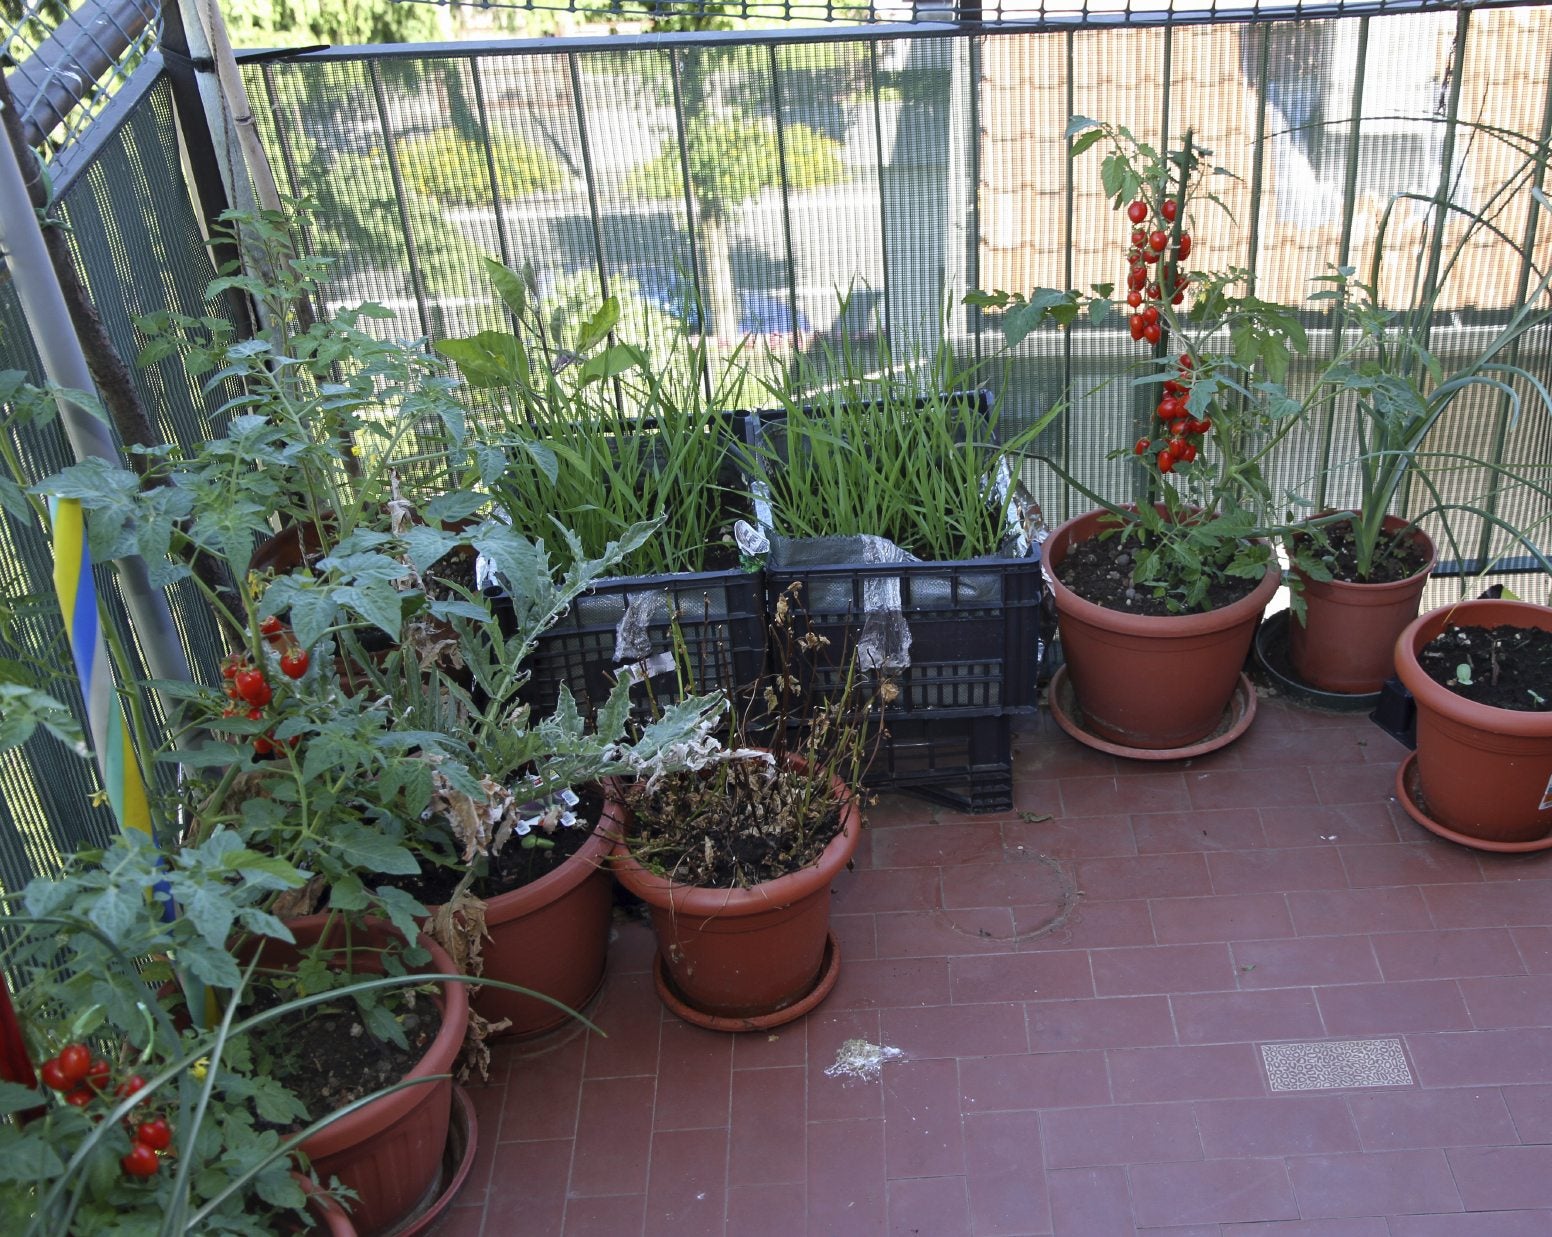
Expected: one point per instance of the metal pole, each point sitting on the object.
(48, 319)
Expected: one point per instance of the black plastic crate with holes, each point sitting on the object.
(965, 763)
(624, 626)
(942, 638)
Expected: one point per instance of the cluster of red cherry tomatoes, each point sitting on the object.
(246, 684)
(1183, 434)
(1161, 282)
(81, 1079)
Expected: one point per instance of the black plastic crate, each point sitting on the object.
(965, 763)
(974, 630)
(721, 628)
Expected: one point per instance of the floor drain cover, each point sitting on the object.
(1325, 1065)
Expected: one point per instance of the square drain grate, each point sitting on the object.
(1324, 1065)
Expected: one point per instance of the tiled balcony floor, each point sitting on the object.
(1103, 1075)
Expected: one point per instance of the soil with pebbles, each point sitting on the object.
(1101, 572)
(1502, 667)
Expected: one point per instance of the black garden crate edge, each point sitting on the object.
(960, 762)
(721, 623)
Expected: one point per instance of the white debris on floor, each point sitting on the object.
(859, 1059)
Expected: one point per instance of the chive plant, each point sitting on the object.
(614, 433)
(906, 450)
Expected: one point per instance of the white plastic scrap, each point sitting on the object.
(857, 1058)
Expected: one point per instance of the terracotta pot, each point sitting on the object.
(743, 953)
(551, 936)
(1347, 641)
(1485, 773)
(1150, 681)
(390, 1150)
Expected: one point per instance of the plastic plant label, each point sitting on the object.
(1546, 797)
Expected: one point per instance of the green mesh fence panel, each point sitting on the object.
(139, 248)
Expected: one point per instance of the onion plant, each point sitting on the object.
(614, 432)
(906, 449)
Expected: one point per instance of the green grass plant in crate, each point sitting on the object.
(614, 433)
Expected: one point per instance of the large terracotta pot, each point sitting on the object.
(1347, 641)
(390, 1150)
(1485, 773)
(1150, 681)
(736, 954)
(551, 936)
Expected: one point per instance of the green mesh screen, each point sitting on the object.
(139, 248)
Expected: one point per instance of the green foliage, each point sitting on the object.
(733, 157)
(450, 167)
(904, 452)
(297, 23)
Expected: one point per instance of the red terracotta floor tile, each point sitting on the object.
(1080, 1003)
(1449, 1117)
(1162, 968)
(1091, 1202)
(1042, 1080)
(614, 1137)
(693, 1078)
(1503, 1178)
(922, 1136)
(687, 1186)
(1531, 1108)
(1224, 917)
(767, 1127)
(462, 1221)
(1447, 954)
(1046, 976)
(1108, 1022)
(1005, 1177)
(605, 1217)
(1394, 1008)
(1120, 1134)
(1339, 912)
(1225, 829)
(1376, 1183)
(1276, 1125)
(1240, 1017)
(1215, 1071)
(846, 1178)
(767, 1210)
(1089, 925)
(1277, 871)
(929, 1205)
(1211, 1192)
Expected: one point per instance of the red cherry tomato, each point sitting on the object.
(1188, 453)
(1152, 332)
(1204, 426)
(1153, 291)
(80, 1097)
(142, 1161)
(1169, 209)
(1137, 212)
(1185, 360)
(252, 688)
(1139, 238)
(1177, 427)
(1142, 445)
(129, 1086)
(1183, 250)
(1169, 407)
(54, 1077)
(1166, 461)
(1177, 448)
(1177, 298)
(293, 664)
(1134, 298)
(1136, 278)
(1151, 314)
(98, 1074)
(1157, 240)
(155, 1133)
(74, 1060)
(263, 746)
(1150, 255)
(271, 626)
(1136, 326)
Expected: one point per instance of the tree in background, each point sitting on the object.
(300, 23)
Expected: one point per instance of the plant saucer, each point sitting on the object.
(1235, 721)
(1409, 790)
(1271, 648)
(829, 972)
